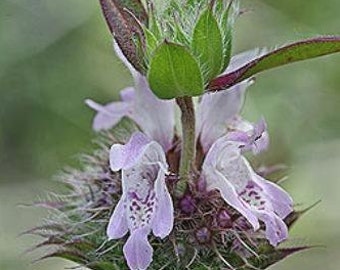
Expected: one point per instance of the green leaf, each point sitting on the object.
(151, 42)
(293, 217)
(227, 29)
(70, 255)
(102, 266)
(298, 51)
(272, 256)
(207, 45)
(174, 72)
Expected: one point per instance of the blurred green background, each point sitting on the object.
(54, 54)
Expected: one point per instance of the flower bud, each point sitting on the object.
(203, 235)
(125, 20)
(187, 204)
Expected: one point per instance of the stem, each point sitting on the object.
(188, 137)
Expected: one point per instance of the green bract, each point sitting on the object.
(201, 29)
(174, 72)
(207, 44)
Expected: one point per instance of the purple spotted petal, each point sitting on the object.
(223, 180)
(137, 250)
(281, 200)
(216, 111)
(164, 217)
(276, 229)
(118, 225)
(226, 170)
(146, 203)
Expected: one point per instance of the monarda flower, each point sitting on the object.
(168, 193)
(146, 204)
(223, 136)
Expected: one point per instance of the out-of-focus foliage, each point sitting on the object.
(54, 54)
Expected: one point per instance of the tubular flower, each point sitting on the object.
(146, 204)
(226, 170)
(154, 116)
(177, 192)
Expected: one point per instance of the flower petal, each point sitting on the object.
(128, 94)
(125, 156)
(156, 117)
(276, 229)
(118, 225)
(108, 115)
(281, 200)
(255, 198)
(231, 197)
(216, 111)
(253, 136)
(122, 57)
(137, 250)
(223, 170)
(163, 221)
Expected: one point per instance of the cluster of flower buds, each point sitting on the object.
(168, 196)
(192, 38)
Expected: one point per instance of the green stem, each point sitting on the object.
(188, 138)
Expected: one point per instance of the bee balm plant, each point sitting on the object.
(165, 194)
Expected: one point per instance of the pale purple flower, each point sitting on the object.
(226, 170)
(253, 136)
(146, 205)
(154, 116)
(218, 113)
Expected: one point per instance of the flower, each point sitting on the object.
(146, 204)
(226, 170)
(216, 113)
(154, 116)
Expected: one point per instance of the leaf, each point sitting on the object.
(70, 255)
(227, 29)
(174, 72)
(102, 266)
(272, 257)
(294, 52)
(269, 256)
(207, 45)
(151, 42)
(291, 219)
(124, 19)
